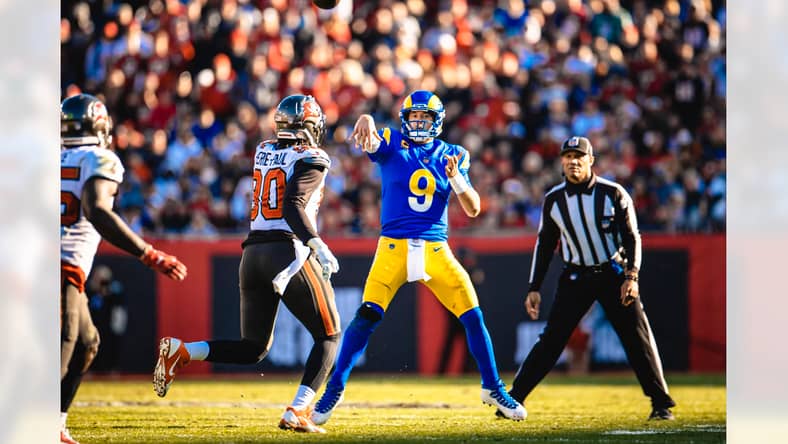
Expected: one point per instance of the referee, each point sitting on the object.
(595, 220)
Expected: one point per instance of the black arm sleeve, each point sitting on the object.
(626, 221)
(546, 242)
(305, 181)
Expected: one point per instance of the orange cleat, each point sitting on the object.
(299, 421)
(66, 438)
(172, 357)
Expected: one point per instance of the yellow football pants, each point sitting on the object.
(448, 281)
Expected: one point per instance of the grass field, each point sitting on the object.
(397, 409)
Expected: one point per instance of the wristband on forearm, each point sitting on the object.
(459, 184)
(374, 144)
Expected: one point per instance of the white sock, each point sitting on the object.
(198, 351)
(303, 397)
(63, 416)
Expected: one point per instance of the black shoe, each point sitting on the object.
(662, 414)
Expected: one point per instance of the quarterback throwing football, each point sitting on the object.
(418, 173)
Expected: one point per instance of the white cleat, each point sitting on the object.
(506, 405)
(326, 405)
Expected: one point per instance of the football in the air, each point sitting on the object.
(325, 4)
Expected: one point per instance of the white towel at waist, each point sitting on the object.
(283, 278)
(416, 265)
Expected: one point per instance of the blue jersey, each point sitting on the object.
(415, 186)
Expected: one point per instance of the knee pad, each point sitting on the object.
(370, 311)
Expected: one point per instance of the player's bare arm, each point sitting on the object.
(468, 197)
(97, 199)
(365, 135)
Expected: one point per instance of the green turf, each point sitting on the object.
(397, 409)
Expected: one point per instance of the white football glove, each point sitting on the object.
(326, 258)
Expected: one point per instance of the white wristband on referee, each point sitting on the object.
(459, 184)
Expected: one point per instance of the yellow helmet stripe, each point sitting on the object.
(434, 103)
(408, 103)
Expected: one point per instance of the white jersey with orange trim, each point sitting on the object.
(273, 167)
(79, 240)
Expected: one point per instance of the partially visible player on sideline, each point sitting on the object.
(89, 177)
(277, 264)
(418, 174)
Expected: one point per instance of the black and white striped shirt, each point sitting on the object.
(595, 222)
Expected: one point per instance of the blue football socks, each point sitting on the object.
(354, 342)
(480, 346)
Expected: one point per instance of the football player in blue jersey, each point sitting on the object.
(418, 173)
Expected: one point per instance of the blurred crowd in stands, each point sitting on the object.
(191, 86)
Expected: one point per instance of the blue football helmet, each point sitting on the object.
(422, 101)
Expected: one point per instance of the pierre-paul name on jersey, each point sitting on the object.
(78, 239)
(267, 158)
(273, 167)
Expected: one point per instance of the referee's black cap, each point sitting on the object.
(577, 143)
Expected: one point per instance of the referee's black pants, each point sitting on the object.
(578, 288)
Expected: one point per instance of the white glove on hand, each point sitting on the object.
(326, 258)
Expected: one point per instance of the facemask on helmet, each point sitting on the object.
(417, 130)
(299, 119)
(84, 120)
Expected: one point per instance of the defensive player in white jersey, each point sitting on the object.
(89, 178)
(277, 264)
